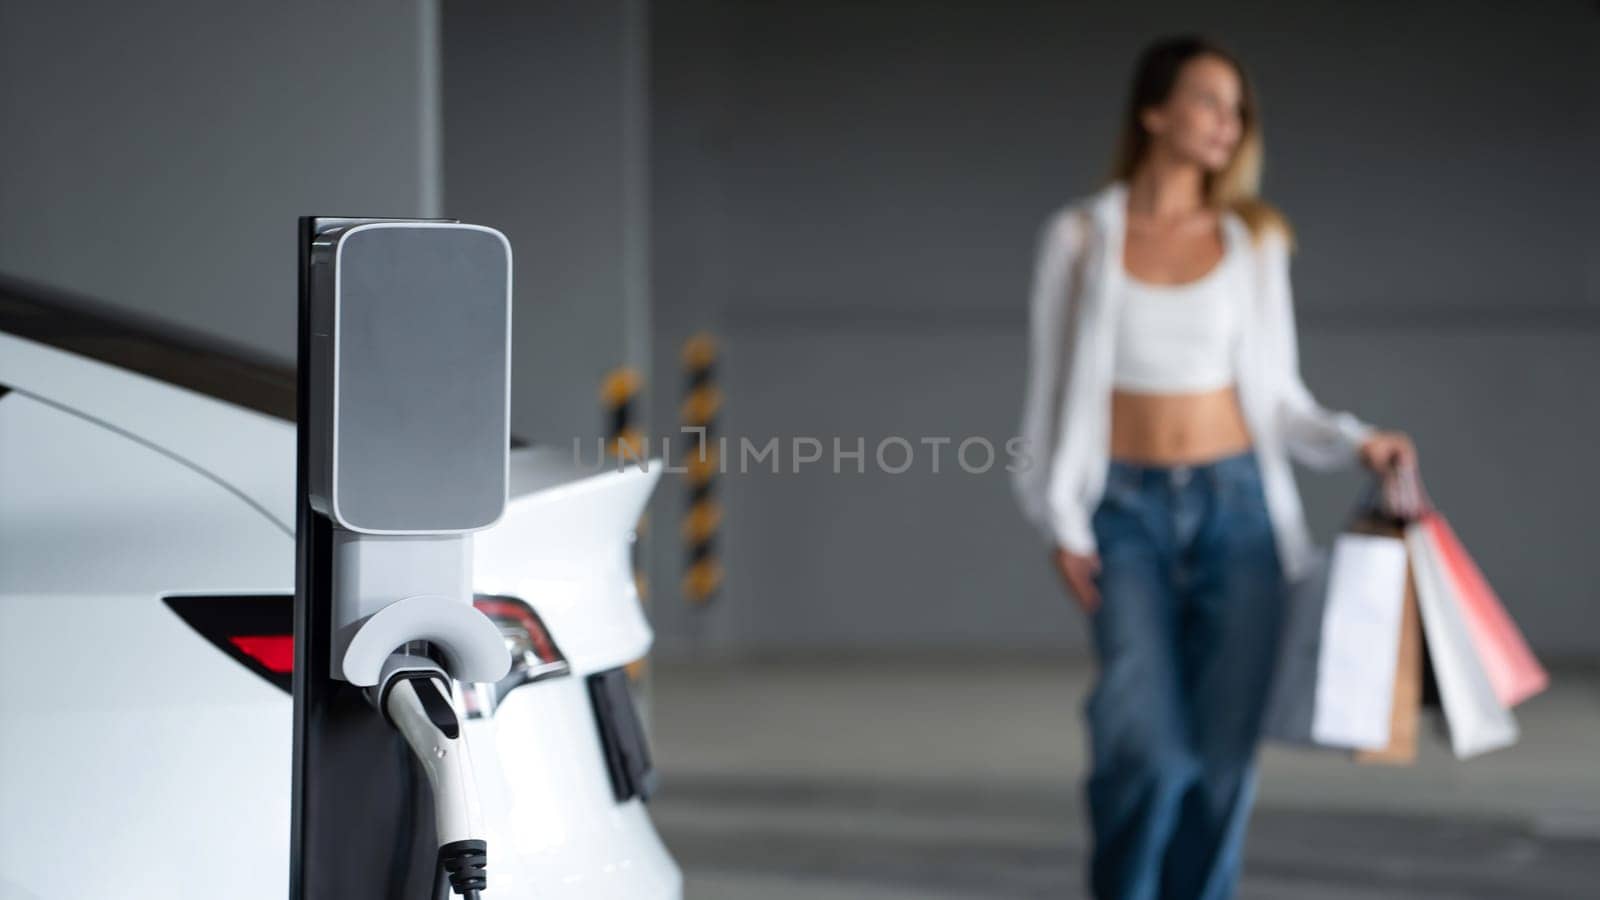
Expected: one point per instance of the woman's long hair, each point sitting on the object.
(1237, 186)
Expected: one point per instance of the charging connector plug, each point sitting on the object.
(414, 694)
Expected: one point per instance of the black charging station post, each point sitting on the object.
(360, 822)
(363, 817)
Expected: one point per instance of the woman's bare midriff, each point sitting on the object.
(1177, 429)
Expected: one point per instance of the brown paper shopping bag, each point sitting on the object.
(1406, 707)
(1406, 711)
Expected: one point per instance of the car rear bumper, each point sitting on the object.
(555, 829)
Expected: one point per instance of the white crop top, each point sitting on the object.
(1179, 339)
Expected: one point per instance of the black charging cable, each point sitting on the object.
(465, 864)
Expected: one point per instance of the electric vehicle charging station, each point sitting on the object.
(404, 388)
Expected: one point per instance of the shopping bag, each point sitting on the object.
(1477, 720)
(1361, 624)
(1512, 667)
(1292, 698)
(1406, 708)
(1397, 504)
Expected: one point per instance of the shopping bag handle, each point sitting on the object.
(1395, 497)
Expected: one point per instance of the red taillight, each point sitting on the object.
(257, 631)
(524, 630)
(275, 652)
(534, 654)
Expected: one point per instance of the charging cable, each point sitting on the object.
(414, 695)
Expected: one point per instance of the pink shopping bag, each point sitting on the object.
(1478, 721)
(1513, 671)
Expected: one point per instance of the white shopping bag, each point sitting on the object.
(1360, 638)
(1478, 722)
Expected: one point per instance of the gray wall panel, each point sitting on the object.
(544, 115)
(821, 560)
(157, 155)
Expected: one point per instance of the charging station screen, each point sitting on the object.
(421, 356)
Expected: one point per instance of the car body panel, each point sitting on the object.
(243, 451)
(557, 548)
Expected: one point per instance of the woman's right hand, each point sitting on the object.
(1078, 571)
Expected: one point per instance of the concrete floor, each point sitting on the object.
(899, 780)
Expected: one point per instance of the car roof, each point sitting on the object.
(151, 347)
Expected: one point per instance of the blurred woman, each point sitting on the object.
(1164, 404)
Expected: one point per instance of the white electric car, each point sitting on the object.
(147, 491)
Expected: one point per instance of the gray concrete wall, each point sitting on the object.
(545, 118)
(157, 155)
(849, 193)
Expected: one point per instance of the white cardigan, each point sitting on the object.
(1066, 424)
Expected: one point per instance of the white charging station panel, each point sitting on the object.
(411, 327)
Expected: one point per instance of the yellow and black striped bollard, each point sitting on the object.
(702, 402)
(619, 397)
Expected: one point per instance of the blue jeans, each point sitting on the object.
(1192, 599)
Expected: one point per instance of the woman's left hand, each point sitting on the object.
(1386, 452)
